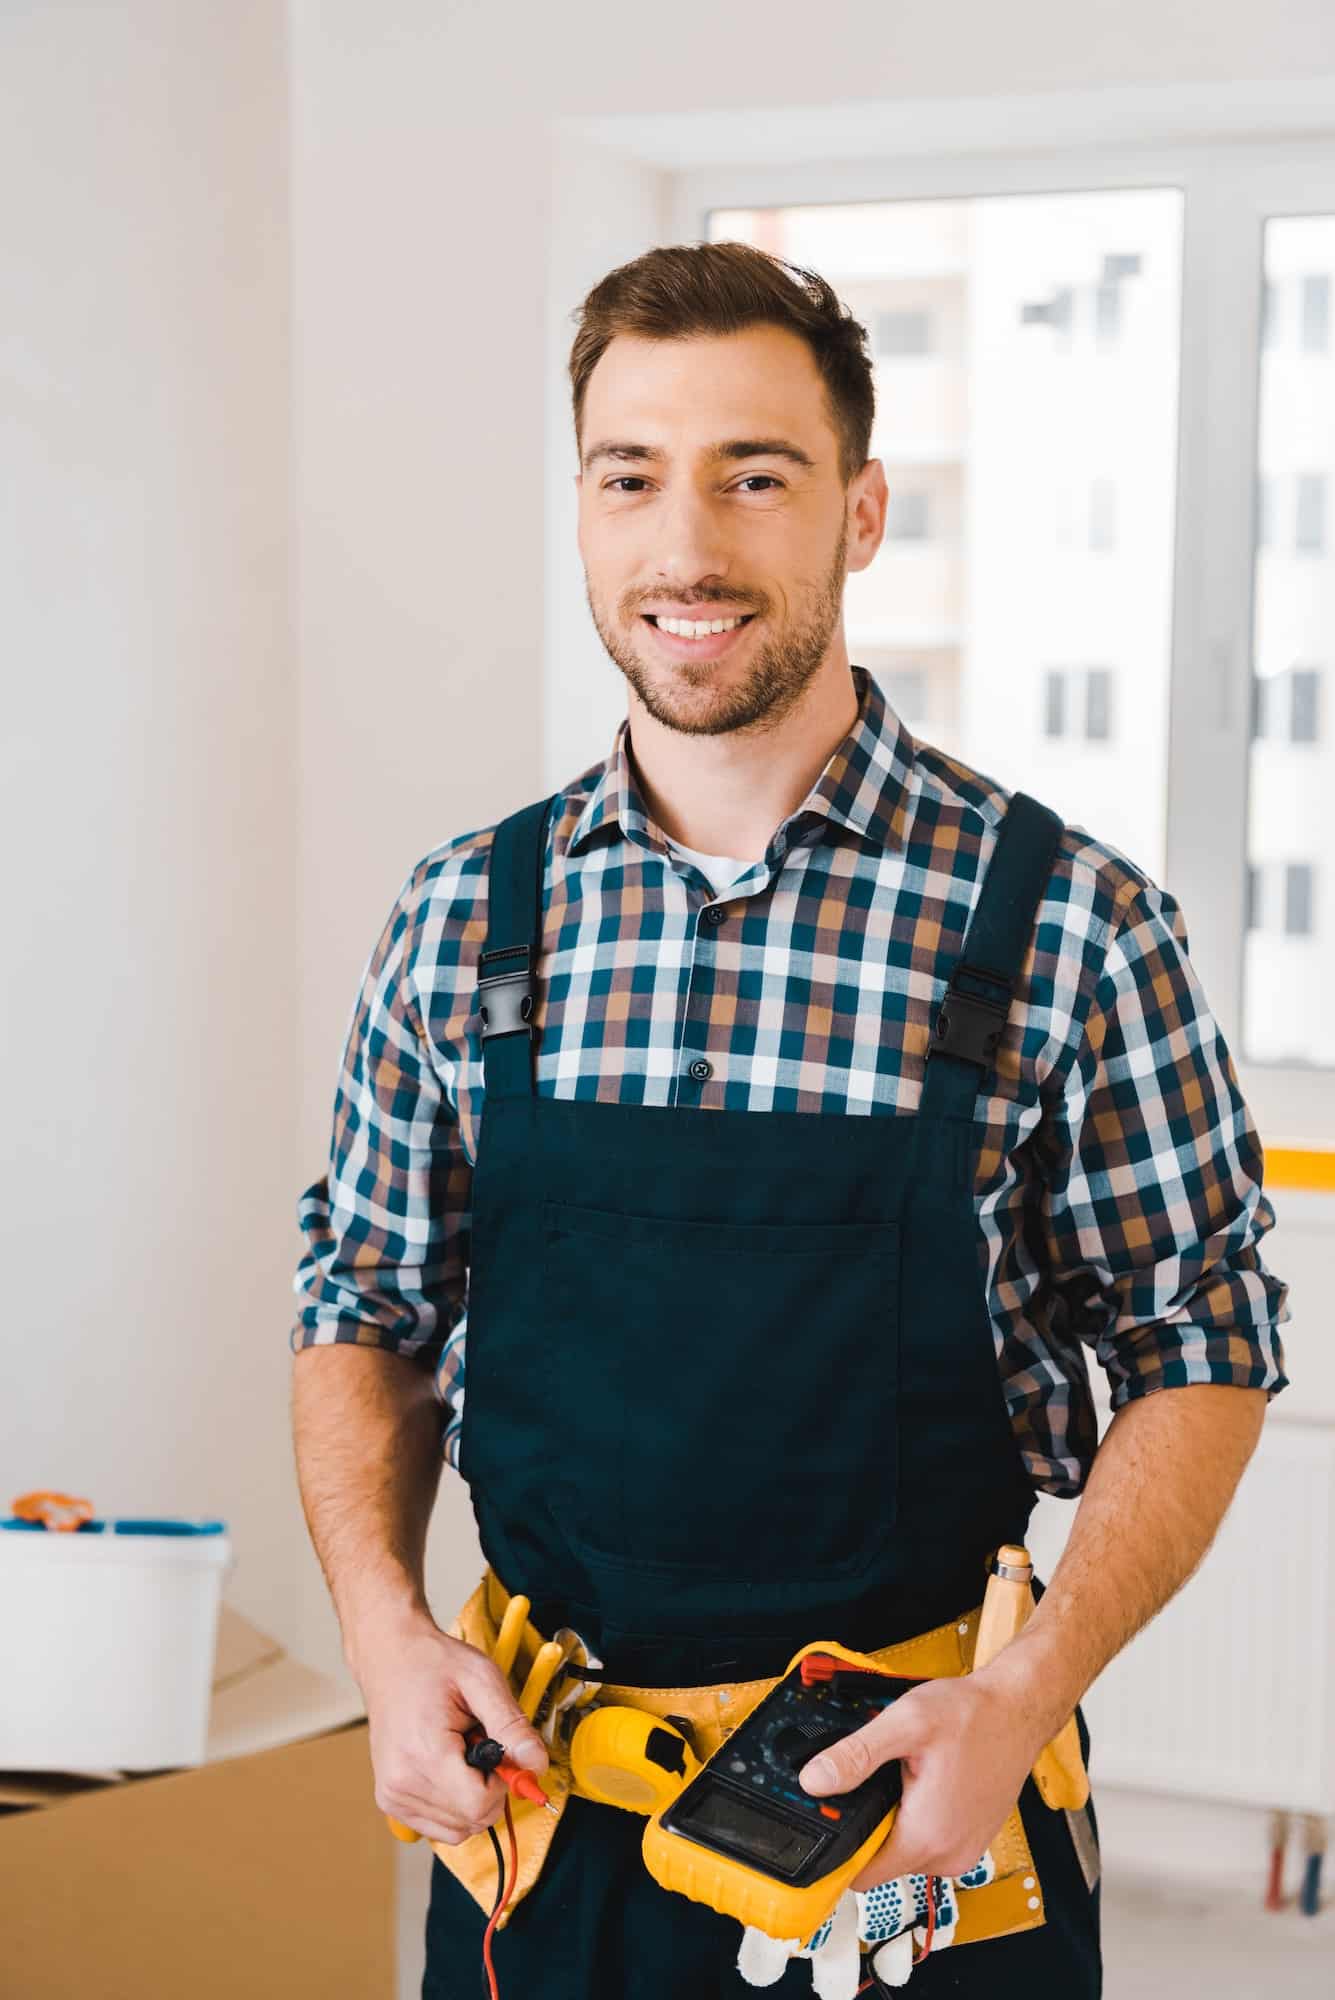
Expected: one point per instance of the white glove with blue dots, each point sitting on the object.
(886, 1919)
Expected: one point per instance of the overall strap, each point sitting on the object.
(977, 1001)
(509, 958)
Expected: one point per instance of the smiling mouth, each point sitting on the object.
(707, 646)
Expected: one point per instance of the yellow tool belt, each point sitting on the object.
(1012, 1901)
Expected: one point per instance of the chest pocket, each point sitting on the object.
(724, 1393)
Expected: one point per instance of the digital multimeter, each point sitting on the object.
(743, 1837)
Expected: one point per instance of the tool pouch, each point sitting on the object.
(1012, 1901)
(472, 1862)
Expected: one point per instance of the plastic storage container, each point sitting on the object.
(106, 1659)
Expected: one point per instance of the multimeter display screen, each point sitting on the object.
(772, 1842)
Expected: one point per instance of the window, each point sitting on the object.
(1304, 717)
(1085, 692)
(1286, 707)
(906, 692)
(1103, 515)
(1028, 405)
(1298, 899)
(1098, 704)
(1024, 424)
(1107, 314)
(1252, 917)
(1315, 317)
(903, 333)
(1054, 702)
(1056, 311)
(1310, 523)
(906, 518)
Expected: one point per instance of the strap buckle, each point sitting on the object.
(506, 998)
(969, 1021)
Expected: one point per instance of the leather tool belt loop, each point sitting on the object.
(1013, 1901)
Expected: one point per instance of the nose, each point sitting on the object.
(692, 548)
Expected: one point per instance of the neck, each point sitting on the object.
(727, 794)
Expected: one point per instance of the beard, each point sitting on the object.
(683, 695)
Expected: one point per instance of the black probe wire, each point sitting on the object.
(500, 1869)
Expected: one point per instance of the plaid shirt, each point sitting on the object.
(1118, 1180)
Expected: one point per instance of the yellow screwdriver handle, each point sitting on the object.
(407, 1834)
(512, 1630)
(1007, 1603)
(1059, 1770)
(540, 1676)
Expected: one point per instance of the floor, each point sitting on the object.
(1164, 1937)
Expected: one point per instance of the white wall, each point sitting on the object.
(147, 804)
(250, 693)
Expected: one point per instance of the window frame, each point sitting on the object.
(1230, 187)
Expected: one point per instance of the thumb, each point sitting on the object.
(896, 1732)
(489, 1697)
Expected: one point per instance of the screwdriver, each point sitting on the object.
(485, 1754)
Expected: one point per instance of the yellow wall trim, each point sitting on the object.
(1290, 1167)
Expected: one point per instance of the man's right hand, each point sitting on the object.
(423, 1692)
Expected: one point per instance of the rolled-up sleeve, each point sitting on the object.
(386, 1226)
(1153, 1210)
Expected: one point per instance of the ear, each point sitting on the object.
(870, 498)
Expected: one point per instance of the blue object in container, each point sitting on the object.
(127, 1526)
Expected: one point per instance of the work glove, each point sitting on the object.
(887, 1920)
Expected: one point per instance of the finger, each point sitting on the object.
(490, 1699)
(896, 1732)
(426, 1817)
(477, 1796)
(463, 1796)
(897, 1855)
(448, 1834)
(881, 1867)
(927, 1837)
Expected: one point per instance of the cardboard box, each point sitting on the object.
(267, 1871)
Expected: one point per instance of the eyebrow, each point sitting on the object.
(730, 448)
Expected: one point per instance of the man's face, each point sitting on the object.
(665, 524)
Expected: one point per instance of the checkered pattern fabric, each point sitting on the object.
(1118, 1180)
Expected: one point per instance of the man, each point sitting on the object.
(818, 1106)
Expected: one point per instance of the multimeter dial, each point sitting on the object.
(747, 1802)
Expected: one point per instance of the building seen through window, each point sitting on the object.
(1018, 613)
(1289, 950)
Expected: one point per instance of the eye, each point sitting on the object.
(633, 479)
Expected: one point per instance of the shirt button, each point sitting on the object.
(700, 1069)
(715, 913)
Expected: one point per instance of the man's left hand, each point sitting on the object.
(966, 1746)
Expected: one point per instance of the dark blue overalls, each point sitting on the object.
(731, 1388)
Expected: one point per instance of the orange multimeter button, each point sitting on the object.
(831, 1812)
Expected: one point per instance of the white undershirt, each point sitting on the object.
(720, 870)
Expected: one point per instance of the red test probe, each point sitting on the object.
(485, 1754)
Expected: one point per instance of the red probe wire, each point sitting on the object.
(502, 1900)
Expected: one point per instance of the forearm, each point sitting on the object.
(366, 1428)
(1160, 1484)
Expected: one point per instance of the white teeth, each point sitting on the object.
(687, 628)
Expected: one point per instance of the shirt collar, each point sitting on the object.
(864, 785)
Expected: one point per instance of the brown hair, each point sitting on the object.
(681, 289)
